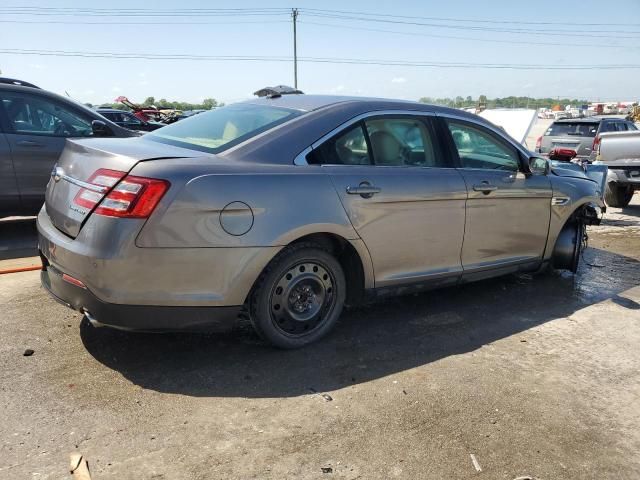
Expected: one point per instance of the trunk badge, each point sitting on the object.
(57, 173)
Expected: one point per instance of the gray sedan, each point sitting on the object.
(287, 208)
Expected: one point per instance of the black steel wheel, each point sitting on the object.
(298, 297)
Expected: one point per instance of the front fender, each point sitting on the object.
(570, 196)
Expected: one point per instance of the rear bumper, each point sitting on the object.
(135, 317)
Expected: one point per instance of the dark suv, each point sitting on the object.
(128, 120)
(580, 134)
(34, 124)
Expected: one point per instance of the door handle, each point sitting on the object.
(484, 187)
(365, 190)
(29, 143)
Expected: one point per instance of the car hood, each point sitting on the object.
(596, 173)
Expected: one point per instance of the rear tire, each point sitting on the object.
(299, 297)
(617, 196)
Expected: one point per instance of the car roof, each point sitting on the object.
(579, 120)
(111, 110)
(309, 103)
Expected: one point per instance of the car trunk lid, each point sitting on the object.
(76, 169)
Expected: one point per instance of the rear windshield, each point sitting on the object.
(222, 128)
(569, 129)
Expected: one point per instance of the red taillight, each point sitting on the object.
(101, 178)
(538, 144)
(133, 197)
(596, 142)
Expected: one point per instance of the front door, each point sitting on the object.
(507, 211)
(402, 197)
(37, 129)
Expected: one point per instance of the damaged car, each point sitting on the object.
(286, 208)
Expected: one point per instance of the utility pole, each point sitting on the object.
(294, 15)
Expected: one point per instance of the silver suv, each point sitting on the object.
(580, 134)
(34, 125)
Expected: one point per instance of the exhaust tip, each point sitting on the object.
(93, 321)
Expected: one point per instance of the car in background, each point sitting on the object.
(128, 120)
(34, 125)
(580, 135)
(620, 151)
(287, 207)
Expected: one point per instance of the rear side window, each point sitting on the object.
(577, 129)
(384, 141)
(37, 115)
(220, 129)
(347, 148)
(401, 142)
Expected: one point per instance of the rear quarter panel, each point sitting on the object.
(281, 204)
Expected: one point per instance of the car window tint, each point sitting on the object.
(621, 126)
(631, 126)
(216, 130)
(130, 118)
(347, 148)
(35, 115)
(401, 142)
(478, 148)
(578, 129)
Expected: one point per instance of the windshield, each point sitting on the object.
(222, 128)
(578, 129)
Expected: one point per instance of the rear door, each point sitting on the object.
(401, 195)
(37, 129)
(9, 194)
(508, 212)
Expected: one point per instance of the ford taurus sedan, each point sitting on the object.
(286, 208)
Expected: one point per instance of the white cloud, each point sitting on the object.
(398, 80)
(116, 89)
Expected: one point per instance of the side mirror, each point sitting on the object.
(538, 166)
(101, 129)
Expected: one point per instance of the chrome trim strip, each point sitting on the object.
(88, 186)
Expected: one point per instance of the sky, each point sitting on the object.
(411, 31)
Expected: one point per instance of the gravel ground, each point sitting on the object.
(532, 376)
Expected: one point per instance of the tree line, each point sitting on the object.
(505, 102)
(206, 104)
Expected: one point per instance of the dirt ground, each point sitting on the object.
(528, 376)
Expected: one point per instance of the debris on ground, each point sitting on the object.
(475, 462)
(327, 470)
(79, 467)
(28, 352)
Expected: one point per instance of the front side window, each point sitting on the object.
(478, 148)
(220, 129)
(35, 115)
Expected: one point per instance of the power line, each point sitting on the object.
(73, 22)
(469, 20)
(352, 61)
(474, 39)
(597, 34)
(26, 10)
